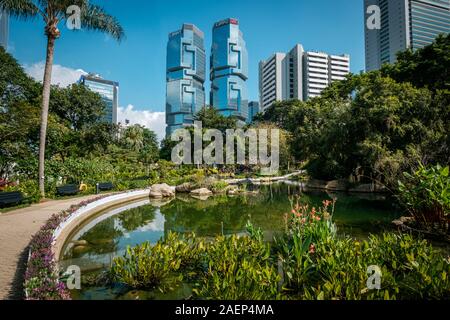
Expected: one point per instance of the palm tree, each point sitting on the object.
(53, 12)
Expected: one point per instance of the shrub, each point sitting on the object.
(426, 194)
(154, 266)
(239, 269)
(219, 186)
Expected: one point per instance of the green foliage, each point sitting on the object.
(426, 194)
(155, 266)
(29, 189)
(239, 269)
(370, 126)
(308, 261)
(410, 269)
(428, 67)
(146, 266)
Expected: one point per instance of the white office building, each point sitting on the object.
(299, 74)
(403, 24)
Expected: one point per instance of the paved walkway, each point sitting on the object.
(16, 229)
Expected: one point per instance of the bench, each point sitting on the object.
(9, 198)
(105, 186)
(67, 190)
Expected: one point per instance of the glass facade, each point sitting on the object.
(4, 29)
(253, 110)
(428, 19)
(185, 76)
(108, 90)
(229, 70)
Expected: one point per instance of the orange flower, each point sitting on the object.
(312, 248)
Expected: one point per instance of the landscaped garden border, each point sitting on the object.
(42, 275)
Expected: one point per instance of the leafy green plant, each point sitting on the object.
(219, 186)
(426, 194)
(239, 268)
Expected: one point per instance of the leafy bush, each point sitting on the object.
(154, 266)
(319, 265)
(426, 194)
(219, 186)
(239, 269)
(29, 189)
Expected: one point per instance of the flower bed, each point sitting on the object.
(42, 276)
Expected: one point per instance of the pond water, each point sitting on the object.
(107, 235)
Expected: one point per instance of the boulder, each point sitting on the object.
(368, 188)
(162, 191)
(184, 187)
(80, 243)
(407, 220)
(337, 185)
(362, 188)
(316, 184)
(201, 192)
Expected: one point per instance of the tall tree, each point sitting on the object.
(52, 12)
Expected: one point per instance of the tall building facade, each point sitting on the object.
(4, 29)
(299, 74)
(185, 76)
(229, 70)
(108, 90)
(253, 110)
(404, 24)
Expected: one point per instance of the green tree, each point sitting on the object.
(426, 67)
(53, 12)
(77, 105)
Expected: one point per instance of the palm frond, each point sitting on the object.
(22, 9)
(94, 17)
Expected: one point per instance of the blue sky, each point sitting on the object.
(138, 63)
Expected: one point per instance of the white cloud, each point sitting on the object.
(61, 76)
(155, 121)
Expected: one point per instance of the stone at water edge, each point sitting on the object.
(201, 192)
(184, 187)
(161, 191)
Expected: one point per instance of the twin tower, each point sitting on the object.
(186, 73)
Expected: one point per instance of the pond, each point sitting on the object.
(107, 235)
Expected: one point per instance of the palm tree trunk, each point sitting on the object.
(44, 112)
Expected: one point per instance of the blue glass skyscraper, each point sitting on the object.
(108, 90)
(229, 70)
(185, 76)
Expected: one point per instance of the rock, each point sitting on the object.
(397, 223)
(201, 192)
(80, 249)
(337, 185)
(316, 184)
(155, 195)
(80, 243)
(184, 188)
(162, 191)
(368, 188)
(362, 188)
(406, 220)
(202, 198)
